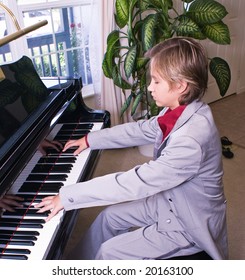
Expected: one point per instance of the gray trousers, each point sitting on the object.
(129, 231)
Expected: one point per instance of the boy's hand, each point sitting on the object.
(80, 143)
(50, 203)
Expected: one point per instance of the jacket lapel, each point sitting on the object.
(190, 109)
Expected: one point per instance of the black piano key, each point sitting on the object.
(17, 243)
(36, 187)
(17, 237)
(76, 126)
(13, 257)
(53, 152)
(48, 192)
(65, 138)
(50, 168)
(23, 221)
(20, 232)
(47, 178)
(80, 132)
(19, 225)
(25, 212)
(14, 251)
(57, 160)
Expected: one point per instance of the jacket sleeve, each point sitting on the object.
(177, 164)
(125, 135)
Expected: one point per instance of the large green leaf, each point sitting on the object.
(159, 4)
(143, 83)
(218, 33)
(105, 67)
(148, 32)
(136, 102)
(220, 70)
(113, 49)
(118, 79)
(154, 109)
(113, 43)
(206, 11)
(126, 104)
(122, 12)
(155, 3)
(187, 27)
(141, 62)
(129, 63)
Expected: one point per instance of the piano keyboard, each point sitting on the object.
(24, 233)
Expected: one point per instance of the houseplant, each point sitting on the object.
(144, 23)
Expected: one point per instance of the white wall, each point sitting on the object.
(234, 53)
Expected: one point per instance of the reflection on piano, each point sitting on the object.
(36, 118)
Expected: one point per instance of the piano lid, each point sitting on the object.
(21, 92)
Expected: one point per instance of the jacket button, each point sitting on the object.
(71, 199)
(168, 221)
(170, 199)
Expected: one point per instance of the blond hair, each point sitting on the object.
(182, 59)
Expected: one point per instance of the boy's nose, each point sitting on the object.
(149, 87)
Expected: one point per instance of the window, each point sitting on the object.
(60, 48)
(5, 54)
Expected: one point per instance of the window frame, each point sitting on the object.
(20, 49)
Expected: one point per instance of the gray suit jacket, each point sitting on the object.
(186, 173)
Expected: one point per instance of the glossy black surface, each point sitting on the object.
(61, 102)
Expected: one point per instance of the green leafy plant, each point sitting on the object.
(141, 24)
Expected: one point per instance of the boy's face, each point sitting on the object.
(161, 92)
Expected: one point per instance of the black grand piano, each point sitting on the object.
(37, 116)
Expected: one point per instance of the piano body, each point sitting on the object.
(36, 116)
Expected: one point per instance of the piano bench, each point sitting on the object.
(198, 256)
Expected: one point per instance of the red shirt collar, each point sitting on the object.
(168, 120)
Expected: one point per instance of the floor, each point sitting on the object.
(229, 115)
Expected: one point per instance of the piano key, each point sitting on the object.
(46, 178)
(13, 257)
(20, 213)
(17, 237)
(16, 243)
(35, 187)
(64, 138)
(72, 127)
(50, 168)
(23, 221)
(14, 251)
(57, 159)
(53, 152)
(25, 243)
(20, 225)
(20, 232)
(71, 133)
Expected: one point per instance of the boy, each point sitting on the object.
(173, 205)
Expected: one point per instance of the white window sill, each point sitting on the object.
(87, 91)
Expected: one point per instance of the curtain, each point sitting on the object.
(107, 95)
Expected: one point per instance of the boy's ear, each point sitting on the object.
(182, 86)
